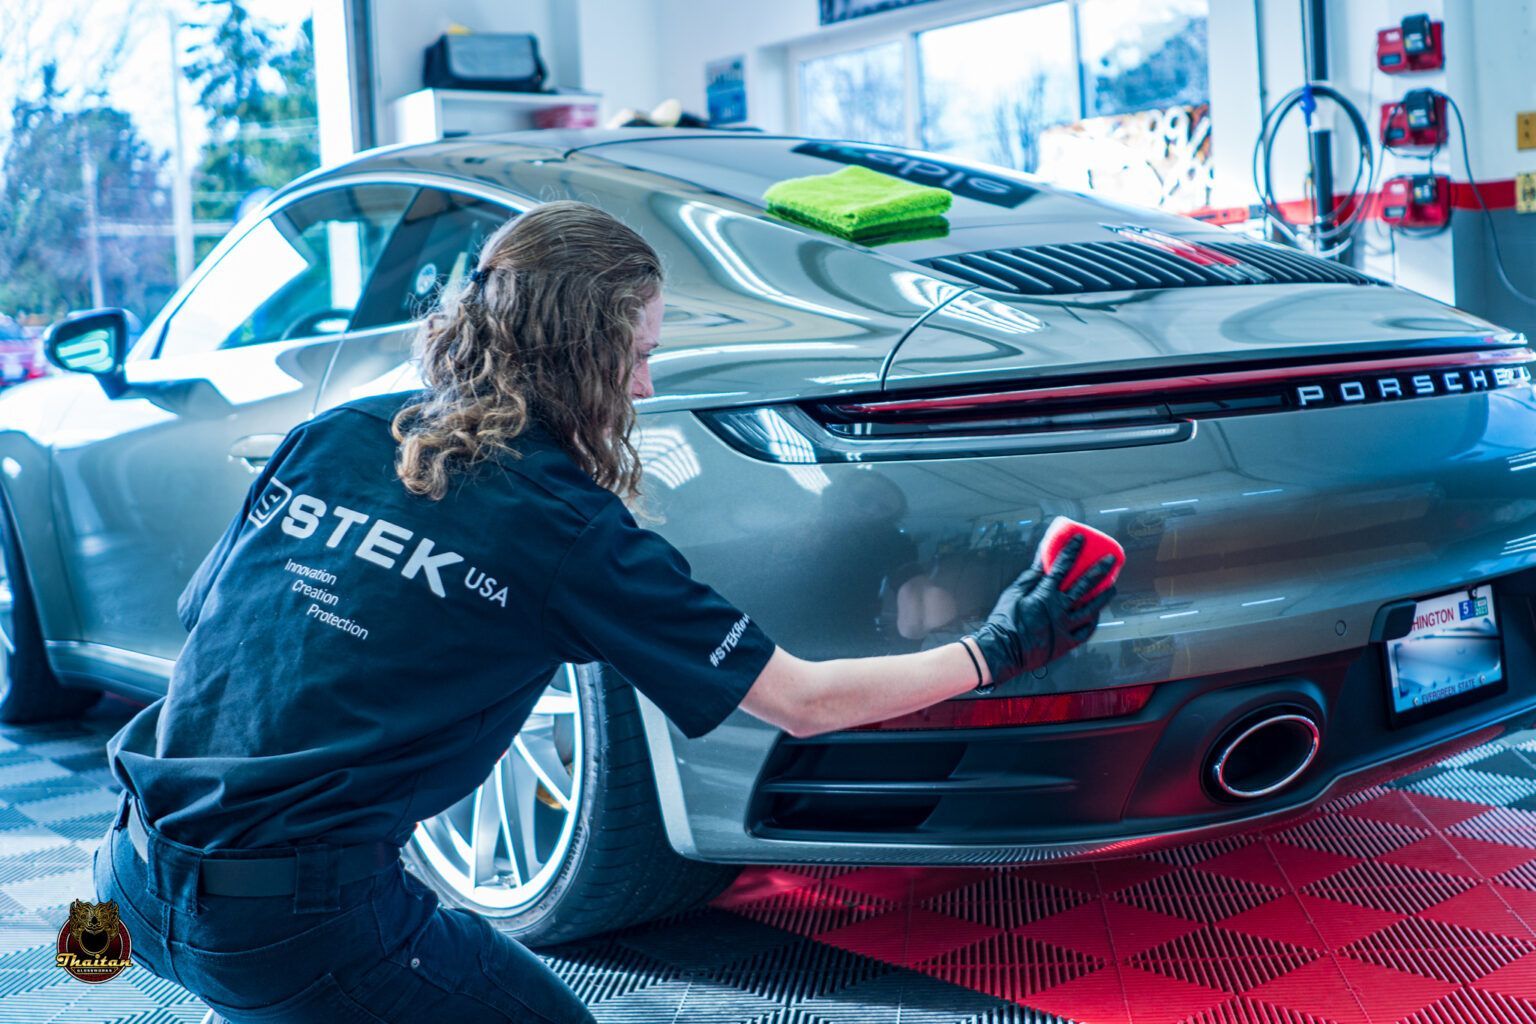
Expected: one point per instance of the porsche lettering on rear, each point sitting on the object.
(1388, 387)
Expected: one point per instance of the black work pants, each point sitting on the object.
(375, 950)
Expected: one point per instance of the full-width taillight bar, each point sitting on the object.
(1167, 387)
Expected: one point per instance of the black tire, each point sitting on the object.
(29, 691)
(620, 869)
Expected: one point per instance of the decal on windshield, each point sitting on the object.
(966, 182)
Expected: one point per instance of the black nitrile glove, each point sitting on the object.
(1035, 621)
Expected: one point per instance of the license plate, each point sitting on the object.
(1453, 655)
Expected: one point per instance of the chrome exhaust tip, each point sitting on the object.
(1266, 756)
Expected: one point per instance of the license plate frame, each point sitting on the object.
(1463, 623)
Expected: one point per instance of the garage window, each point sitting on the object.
(856, 95)
(991, 87)
(1108, 95)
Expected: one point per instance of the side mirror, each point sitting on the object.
(94, 342)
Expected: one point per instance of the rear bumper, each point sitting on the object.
(1073, 790)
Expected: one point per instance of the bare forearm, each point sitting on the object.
(809, 697)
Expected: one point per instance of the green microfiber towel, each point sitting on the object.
(855, 200)
(882, 234)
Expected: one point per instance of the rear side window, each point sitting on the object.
(297, 274)
(435, 243)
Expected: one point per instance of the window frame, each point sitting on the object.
(150, 346)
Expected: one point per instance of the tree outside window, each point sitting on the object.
(132, 135)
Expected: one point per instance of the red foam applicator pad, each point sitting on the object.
(1095, 546)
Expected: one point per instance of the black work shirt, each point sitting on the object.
(360, 656)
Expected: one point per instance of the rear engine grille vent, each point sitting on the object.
(1078, 267)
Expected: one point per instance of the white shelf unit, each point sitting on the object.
(428, 114)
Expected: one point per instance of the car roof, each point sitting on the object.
(993, 207)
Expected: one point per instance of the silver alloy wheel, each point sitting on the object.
(500, 847)
(7, 630)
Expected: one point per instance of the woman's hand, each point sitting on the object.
(1036, 621)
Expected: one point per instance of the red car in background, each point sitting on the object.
(21, 353)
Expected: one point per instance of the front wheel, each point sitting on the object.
(564, 839)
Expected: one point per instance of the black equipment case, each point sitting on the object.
(502, 62)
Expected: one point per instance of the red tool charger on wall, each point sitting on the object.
(1418, 119)
(1417, 201)
(1418, 44)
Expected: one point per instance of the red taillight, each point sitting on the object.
(999, 712)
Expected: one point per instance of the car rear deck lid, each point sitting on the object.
(1140, 261)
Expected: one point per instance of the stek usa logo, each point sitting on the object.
(375, 540)
(1211, 260)
(1387, 387)
(271, 502)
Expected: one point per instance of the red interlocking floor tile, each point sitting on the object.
(1522, 877)
(1133, 930)
(1342, 803)
(1436, 949)
(761, 883)
(905, 936)
(1010, 966)
(1521, 901)
(1224, 959)
(1251, 863)
(1394, 887)
(1284, 920)
(1197, 895)
(1350, 836)
(1390, 907)
(1319, 989)
(1475, 1006)
(1488, 907)
(1339, 924)
(1432, 853)
(1005, 900)
(1128, 871)
(807, 911)
(1410, 809)
(900, 884)
(1083, 928)
(1282, 865)
(930, 935)
(1500, 824)
(1516, 979)
(1490, 857)
(1304, 865)
(1387, 994)
(1461, 855)
(1196, 853)
(1096, 997)
(1247, 1010)
(1159, 999)
(1079, 875)
(1108, 929)
(825, 871)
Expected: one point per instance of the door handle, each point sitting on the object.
(255, 450)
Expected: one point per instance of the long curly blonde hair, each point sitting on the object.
(542, 332)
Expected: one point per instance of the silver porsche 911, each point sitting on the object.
(1321, 482)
